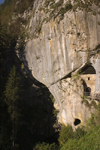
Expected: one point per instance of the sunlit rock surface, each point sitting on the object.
(61, 48)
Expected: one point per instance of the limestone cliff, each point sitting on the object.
(62, 41)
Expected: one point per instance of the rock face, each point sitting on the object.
(58, 49)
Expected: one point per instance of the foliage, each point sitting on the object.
(79, 132)
(13, 6)
(36, 125)
(89, 103)
(65, 134)
(4, 42)
(67, 7)
(12, 99)
(4, 48)
(85, 101)
(89, 141)
(55, 112)
(5, 121)
(45, 146)
(84, 4)
(12, 92)
(21, 7)
(9, 16)
(93, 103)
(76, 75)
(52, 98)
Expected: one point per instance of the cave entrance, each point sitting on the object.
(77, 121)
(88, 69)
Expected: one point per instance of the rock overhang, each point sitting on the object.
(60, 49)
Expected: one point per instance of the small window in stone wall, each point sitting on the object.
(88, 78)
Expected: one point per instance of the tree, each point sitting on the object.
(12, 94)
(4, 116)
(4, 46)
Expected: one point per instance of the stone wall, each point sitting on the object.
(90, 80)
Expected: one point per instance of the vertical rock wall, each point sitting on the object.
(62, 47)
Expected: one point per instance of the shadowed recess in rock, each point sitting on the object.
(88, 70)
(77, 121)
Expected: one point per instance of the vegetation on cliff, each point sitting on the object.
(11, 12)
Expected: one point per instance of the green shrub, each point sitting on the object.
(67, 7)
(85, 101)
(70, 145)
(52, 98)
(66, 133)
(90, 141)
(75, 6)
(79, 133)
(93, 103)
(55, 112)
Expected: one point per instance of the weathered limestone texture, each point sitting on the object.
(60, 48)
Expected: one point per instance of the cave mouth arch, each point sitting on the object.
(88, 69)
(77, 121)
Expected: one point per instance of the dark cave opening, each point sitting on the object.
(88, 91)
(88, 69)
(77, 121)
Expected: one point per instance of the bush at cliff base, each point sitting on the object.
(90, 140)
(66, 133)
